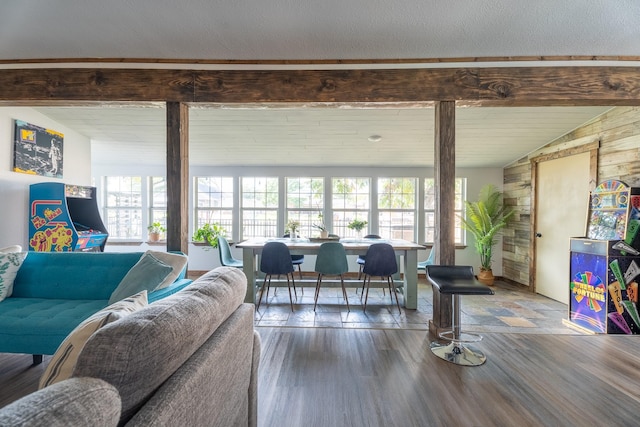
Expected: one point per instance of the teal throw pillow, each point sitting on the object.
(146, 274)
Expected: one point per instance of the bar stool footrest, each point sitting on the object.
(463, 338)
(458, 354)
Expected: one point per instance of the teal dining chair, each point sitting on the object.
(226, 257)
(331, 260)
(431, 259)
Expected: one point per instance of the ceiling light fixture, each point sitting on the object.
(375, 138)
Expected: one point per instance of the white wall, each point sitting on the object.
(14, 186)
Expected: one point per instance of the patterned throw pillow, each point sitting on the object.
(64, 360)
(9, 265)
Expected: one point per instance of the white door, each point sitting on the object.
(561, 213)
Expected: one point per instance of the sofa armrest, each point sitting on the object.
(169, 290)
(73, 402)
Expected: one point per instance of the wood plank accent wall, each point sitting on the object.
(618, 131)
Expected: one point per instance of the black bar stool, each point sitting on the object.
(457, 280)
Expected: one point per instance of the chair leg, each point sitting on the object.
(264, 282)
(392, 291)
(294, 290)
(318, 284)
(300, 271)
(293, 280)
(368, 282)
(344, 292)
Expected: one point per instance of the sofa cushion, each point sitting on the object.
(148, 273)
(63, 361)
(39, 325)
(155, 341)
(78, 402)
(72, 275)
(9, 265)
(176, 261)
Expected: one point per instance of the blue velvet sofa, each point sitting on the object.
(54, 292)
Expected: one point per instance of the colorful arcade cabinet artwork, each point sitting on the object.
(606, 264)
(64, 218)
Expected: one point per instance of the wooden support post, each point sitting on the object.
(445, 176)
(177, 176)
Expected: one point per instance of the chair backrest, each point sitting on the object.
(294, 257)
(369, 236)
(331, 259)
(431, 259)
(276, 259)
(381, 260)
(226, 258)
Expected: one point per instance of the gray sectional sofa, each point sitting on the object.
(189, 359)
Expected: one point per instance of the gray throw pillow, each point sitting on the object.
(146, 274)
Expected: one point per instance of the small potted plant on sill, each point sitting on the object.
(357, 225)
(324, 233)
(209, 233)
(155, 230)
(485, 219)
(293, 227)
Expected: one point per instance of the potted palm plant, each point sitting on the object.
(209, 233)
(485, 219)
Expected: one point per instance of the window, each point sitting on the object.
(214, 202)
(305, 202)
(350, 200)
(123, 206)
(259, 207)
(430, 206)
(397, 208)
(158, 200)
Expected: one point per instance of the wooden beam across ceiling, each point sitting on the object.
(507, 86)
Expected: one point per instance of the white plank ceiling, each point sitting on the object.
(485, 137)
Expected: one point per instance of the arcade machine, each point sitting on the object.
(64, 218)
(605, 265)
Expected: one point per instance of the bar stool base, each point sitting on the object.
(459, 354)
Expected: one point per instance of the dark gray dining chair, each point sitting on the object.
(362, 258)
(381, 262)
(276, 259)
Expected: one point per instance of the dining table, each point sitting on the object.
(405, 250)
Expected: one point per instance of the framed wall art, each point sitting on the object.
(37, 151)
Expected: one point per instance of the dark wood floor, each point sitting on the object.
(388, 377)
(377, 369)
(367, 377)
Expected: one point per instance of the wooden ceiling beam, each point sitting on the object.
(504, 86)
